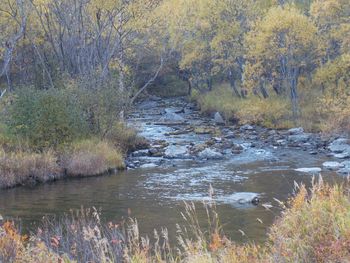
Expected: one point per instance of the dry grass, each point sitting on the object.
(273, 112)
(92, 157)
(18, 168)
(125, 138)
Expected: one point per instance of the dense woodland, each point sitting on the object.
(291, 55)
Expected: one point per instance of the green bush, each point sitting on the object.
(45, 118)
(101, 103)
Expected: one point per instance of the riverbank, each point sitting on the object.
(88, 157)
(312, 228)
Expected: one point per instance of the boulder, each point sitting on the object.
(210, 154)
(218, 119)
(176, 151)
(339, 146)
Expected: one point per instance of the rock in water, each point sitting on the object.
(296, 131)
(176, 151)
(246, 128)
(312, 170)
(299, 138)
(210, 154)
(172, 117)
(218, 118)
(340, 148)
(333, 165)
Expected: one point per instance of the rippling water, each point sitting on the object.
(155, 195)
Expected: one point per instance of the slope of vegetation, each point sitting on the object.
(313, 227)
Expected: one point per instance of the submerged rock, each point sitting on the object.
(299, 138)
(332, 165)
(171, 117)
(312, 170)
(210, 154)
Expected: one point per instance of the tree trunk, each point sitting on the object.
(232, 83)
(294, 75)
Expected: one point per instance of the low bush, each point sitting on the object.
(315, 228)
(45, 118)
(125, 138)
(20, 167)
(91, 157)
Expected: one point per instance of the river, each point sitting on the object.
(189, 153)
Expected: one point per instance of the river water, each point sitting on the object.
(155, 189)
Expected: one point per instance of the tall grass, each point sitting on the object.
(92, 157)
(273, 112)
(21, 167)
(314, 227)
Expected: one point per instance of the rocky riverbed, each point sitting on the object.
(178, 133)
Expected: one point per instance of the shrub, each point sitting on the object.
(125, 138)
(101, 102)
(18, 168)
(315, 228)
(45, 118)
(91, 157)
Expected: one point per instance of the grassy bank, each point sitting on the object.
(275, 111)
(313, 227)
(49, 134)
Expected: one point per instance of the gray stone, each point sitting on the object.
(171, 117)
(311, 170)
(246, 128)
(210, 154)
(218, 119)
(174, 110)
(296, 131)
(176, 151)
(332, 165)
(299, 138)
(141, 153)
(339, 145)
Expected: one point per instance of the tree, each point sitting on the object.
(13, 21)
(332, 18)
(281, 47)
